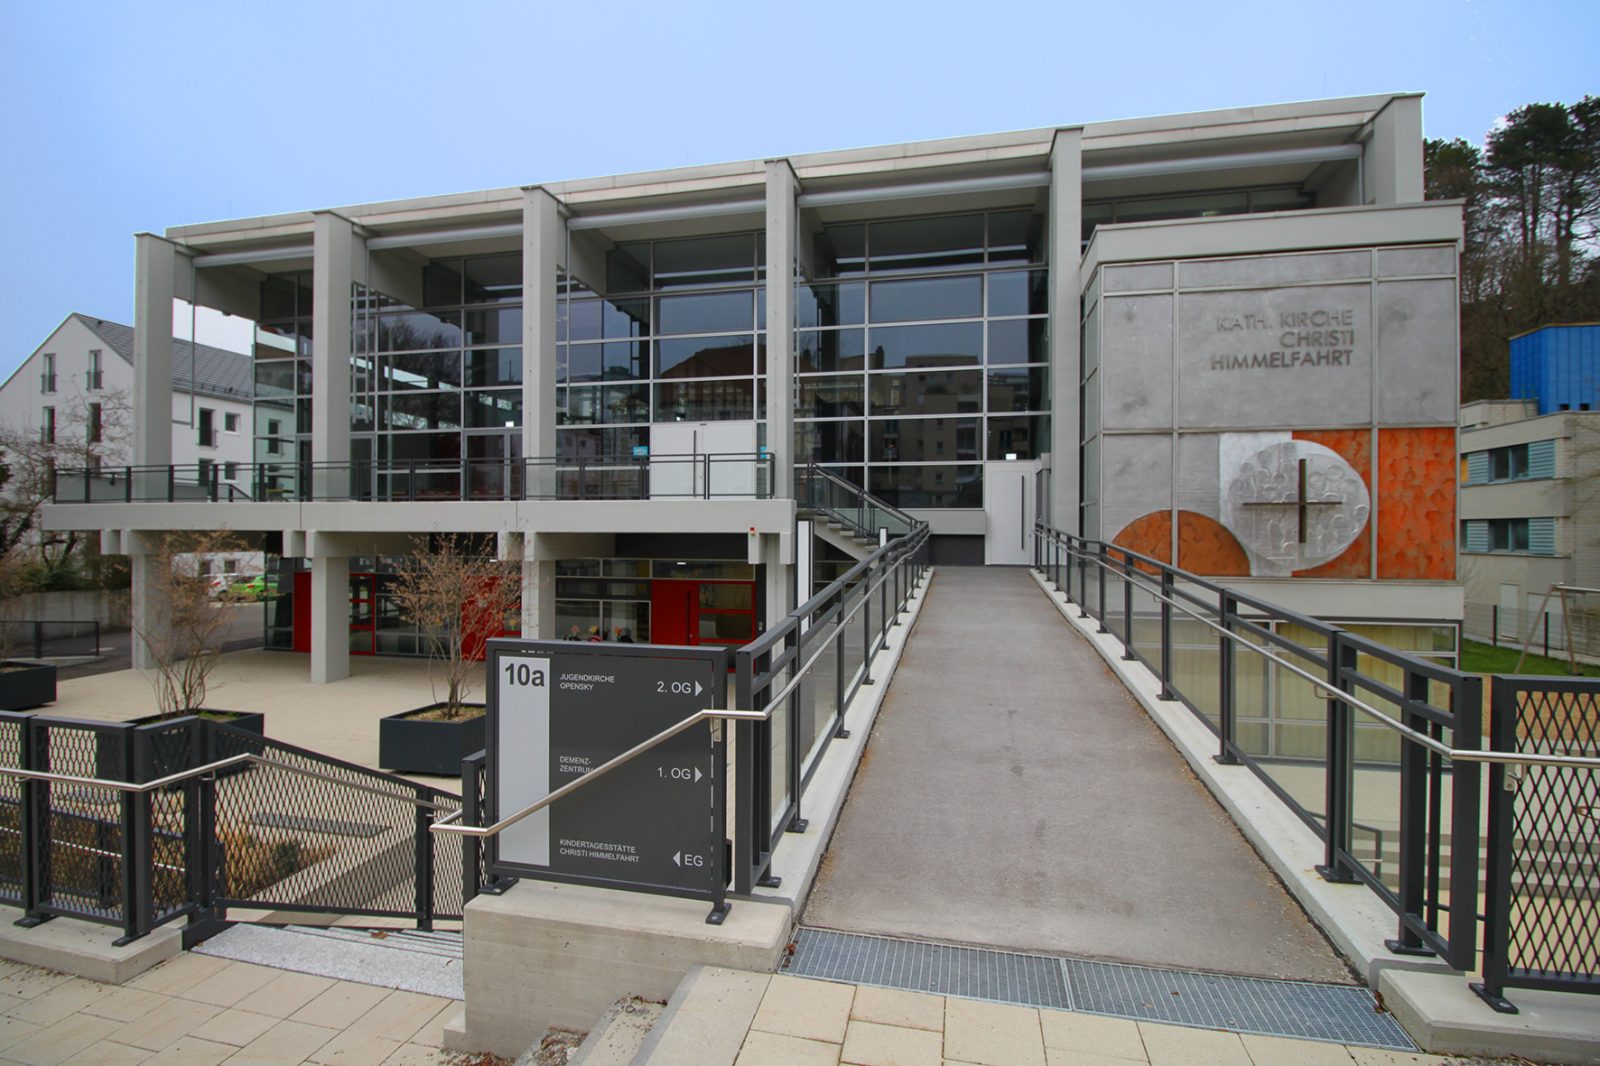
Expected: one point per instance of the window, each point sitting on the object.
(95, 427)
(47, 377)
(230, 422)
(1508, 464)
(230, 471)
(203, 471)
(208, 428)
(1508, 534)
(47, 426)
(94, 381)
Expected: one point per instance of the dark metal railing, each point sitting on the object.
(54, 637)
(654, 477)
(840, 500)
(136, 825)
(1393, 723)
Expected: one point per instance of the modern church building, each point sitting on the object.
(1227, 339)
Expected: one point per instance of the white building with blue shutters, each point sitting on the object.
(1530, 520)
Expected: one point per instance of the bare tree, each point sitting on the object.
(459, 597)
(187, 640)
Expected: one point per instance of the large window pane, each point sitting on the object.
(829, 397)
(1019, 292)
(1020, 437)
(601, 443)
(421, 410)
(928, 486)
(926, 392)
(907, 301)
(841, 251)
(705, 401)
(494, 366)
(1018, 389)
(502, 407)
(715, 312)
(703, 261)
(412, 330)
(425, 370)
(1016, 236)
(828, 350)
(704, 357)
(925, 243)
(585, 362)
(830, 442)
(493, 279)
(625, 361)
(495, 326)
(953, 344)
(922, 439)
(1022, 340)
(830, 305)
(628, 267)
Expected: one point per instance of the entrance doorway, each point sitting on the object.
(1008, 491)
(702, 612)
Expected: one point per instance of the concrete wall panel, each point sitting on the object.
(1138, 478)
(1136, 351)
(1417, 341)
(1138, 276)
(1275, 269)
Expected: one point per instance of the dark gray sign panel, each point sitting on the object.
(559, 710)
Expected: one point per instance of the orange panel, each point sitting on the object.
(1208, 548)
(1354, 446)
(1149, 535)
(1417, 503)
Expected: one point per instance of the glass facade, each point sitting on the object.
(1103, 212)
(921, 348)
(282, 433)
(674, 332)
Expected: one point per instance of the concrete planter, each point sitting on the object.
(420, 746)
(26, 685)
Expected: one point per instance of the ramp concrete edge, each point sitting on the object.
(85, 949)
(798, 861)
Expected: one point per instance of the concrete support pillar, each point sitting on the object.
(155, 271)
(1392, 160)
(777, 562)
(146, 607)
(544, 238)
(538, 588)
(338, 252)
(782, 225)
(1066, 364)
(330, 616)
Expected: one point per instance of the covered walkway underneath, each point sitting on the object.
(1014, 795)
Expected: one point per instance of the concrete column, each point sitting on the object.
(781, 229)
(146, 607)
(777, 561)
(330, 615)
(1392, 160)
(1066, 364)
(538, 588)
(334, 261)
(155, 270)
(544, 237)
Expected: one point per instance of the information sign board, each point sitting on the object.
(559, 710)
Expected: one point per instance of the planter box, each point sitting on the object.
(420, 746)
(26, 685)
(169, 744)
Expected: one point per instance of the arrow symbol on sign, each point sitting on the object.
(697, 688)
(697, 774)
(677, 858)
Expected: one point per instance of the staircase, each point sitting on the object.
(845, 515)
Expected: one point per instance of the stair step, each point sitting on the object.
(619, 1034)
(429, 963)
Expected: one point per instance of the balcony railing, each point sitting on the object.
(657, 477)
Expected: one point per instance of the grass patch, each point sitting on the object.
(1479, 658)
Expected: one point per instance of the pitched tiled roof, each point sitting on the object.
(216, 371)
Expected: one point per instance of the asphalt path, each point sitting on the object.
(1014, 795)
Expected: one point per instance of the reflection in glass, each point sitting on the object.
(501, 407)
(1019, 292)
(699, 357)
(841, 349)
(922, 298)
(957, 343)
(829, 441)
(1025, 437)
(830, 305)
(494, 366)
(928, 486)
(919, 440)
(701, 261)
(926, 243)
(926, 392)
(1018, 389)
(705, 401)
(829, 397)
(1016, 235)
(716, 312)
(1022, 340)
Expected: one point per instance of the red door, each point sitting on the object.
(671, 611)
(702, 612)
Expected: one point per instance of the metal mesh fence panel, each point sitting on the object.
(12, 867)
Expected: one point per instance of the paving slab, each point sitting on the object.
(1014, 795)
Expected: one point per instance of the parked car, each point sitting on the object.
(259, 587)
(219, 584)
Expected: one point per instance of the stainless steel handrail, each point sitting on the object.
(1320, 688)
(209, 768)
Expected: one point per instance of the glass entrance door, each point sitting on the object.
(363, 614)
(493, 467)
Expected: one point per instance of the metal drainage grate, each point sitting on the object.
(1342, 1014)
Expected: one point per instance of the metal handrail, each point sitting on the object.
(447, 824)
(210, 768)
(1321, 689)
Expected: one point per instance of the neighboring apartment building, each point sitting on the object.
(74, 397)
(1530, 496)
(1225, 338)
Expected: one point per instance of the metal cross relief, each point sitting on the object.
(1300, 500)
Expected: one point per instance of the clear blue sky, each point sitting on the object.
(122, 117)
